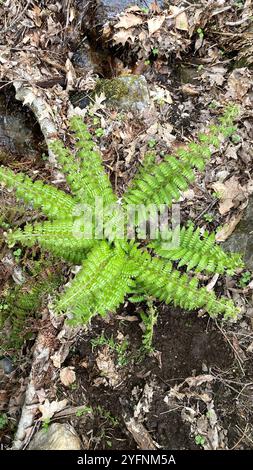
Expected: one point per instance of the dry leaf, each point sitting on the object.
(29, 98)
(67, 376)
(161, 95)
(50, 408)
(154, 24)
(128, 21)
(189, 89)
(123, 36)
(199, 380)
(215, 75)
(181, 21)
(70, 75)
(228, 192)
(228, 229)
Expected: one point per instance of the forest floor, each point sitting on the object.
(194, 388)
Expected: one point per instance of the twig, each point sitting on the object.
(218, 12)
(237, 23)
(241, 438)
(232, 347)
(16, 19)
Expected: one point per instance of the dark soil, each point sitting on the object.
(184, 345)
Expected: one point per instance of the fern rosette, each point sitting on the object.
(112, 265)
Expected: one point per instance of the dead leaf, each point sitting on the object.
(215, 75)
(128, 20)
(239, 84)
(67, 376)
(228, 193)
(190, 90)
(199, 380)
(161, 95)
(181, 21)
(228, 228)
(154, 24)
(123, 36)
(29, 98)
(48, 409)
(70, 75)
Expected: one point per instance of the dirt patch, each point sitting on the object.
(184, 346)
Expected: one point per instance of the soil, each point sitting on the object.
(184, 346)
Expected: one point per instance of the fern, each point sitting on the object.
(163, 183)
(115, 267)
(198, 251)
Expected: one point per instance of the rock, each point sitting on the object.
(112, 8)
(242, 238)
(82, 58)
(100, 12)
(56, 437)
(125, 93)
(6, 365)
(18, 130)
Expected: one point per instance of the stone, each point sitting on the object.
(56, 437)
(242, 239)
(128, 92)
(114, 7)
(18, 128)
(6, 365)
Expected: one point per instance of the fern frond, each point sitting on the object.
(58, 237)
(160, 280)
(163, 183)
(91, 290)
(198, 252)
(52, 201)
(96, 182)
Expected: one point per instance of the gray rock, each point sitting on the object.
(56, 437)
(6, 365)
(242, 239)
(126, 92)
(114, 7)
(16, 127)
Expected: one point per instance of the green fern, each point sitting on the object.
(198, 251)
(163, 183)
(115, 267)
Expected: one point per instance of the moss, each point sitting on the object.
(125, 90)
(113, 89)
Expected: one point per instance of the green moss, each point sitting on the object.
(125, 91)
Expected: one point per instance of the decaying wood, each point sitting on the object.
(40, 370)
(33, 98)
(140, 434)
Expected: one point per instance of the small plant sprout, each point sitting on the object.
(119, 348)
(3, 421)
(200, 33)
(45, 424)
(17, 254)
(245, 279)
(208, 217)
(84, 411)
(200, 440)
(99, 132)
(152, 143)
(149, 320)
(236, 138)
